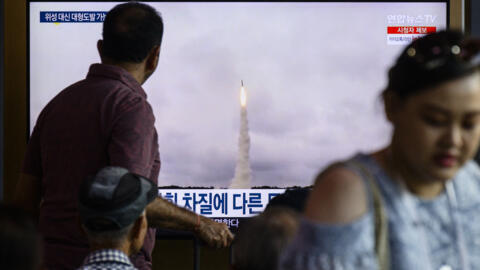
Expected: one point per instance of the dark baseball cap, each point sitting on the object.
(114, 198)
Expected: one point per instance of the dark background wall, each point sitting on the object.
(14, 92)
(473, 18)
(1, 99)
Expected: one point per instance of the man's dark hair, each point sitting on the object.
(294, 198)
(260, 241)
(130, 31)
(19, 240)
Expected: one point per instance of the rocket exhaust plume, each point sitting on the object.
(243, 172)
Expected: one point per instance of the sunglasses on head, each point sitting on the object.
(467, 52)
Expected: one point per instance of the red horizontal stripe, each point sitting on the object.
(411, 29)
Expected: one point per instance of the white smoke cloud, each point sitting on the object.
(242, 178)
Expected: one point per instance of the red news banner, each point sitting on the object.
(403, 35)
(405, 30)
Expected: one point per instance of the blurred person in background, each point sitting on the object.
(416, 203)
(260, 241)
(293, 198)
(20, 243)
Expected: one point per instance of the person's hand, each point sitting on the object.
(213, 233)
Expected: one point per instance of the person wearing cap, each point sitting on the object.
(103, 120)
(112, 212)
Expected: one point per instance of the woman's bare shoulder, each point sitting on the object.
(338, 197)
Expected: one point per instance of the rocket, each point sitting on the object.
(243, 172)
(243, 96)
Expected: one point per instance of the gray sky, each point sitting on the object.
(313, 72)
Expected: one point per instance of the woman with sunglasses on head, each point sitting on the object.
(416, 203)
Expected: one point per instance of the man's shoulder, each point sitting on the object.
(104, 87)
(107, 259)
(98, 90)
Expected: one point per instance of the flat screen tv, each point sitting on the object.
(310, 72)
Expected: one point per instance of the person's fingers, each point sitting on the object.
(222, 238)
(217, 235)
(219, 241)
(225, 235)
(211, 237)
(214, 241)
(220, 244)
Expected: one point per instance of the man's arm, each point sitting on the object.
(161, 213)
(28, 194)
(132, 137)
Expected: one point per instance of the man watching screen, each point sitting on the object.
(103, 120)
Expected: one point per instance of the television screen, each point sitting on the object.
(247, 94)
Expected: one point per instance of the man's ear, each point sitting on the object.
(152, 58)
(99, 48)
(138, 226)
